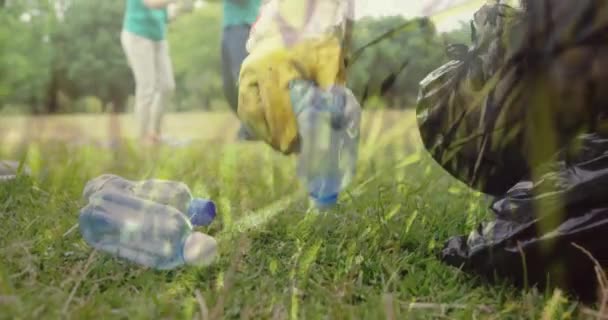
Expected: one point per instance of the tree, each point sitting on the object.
(393, 67)
(73, 48)
(25, 52)
(195, 51)
(88, 59)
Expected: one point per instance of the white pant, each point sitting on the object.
(154, 82)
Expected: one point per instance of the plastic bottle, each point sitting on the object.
(143, 231)
(9, 170)
(328, 124)
(200, 211)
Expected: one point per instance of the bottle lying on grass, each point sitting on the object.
(142, 231)
(9, 170)
(200, 211)
(328, 124)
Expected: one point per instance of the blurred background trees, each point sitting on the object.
(62, 56)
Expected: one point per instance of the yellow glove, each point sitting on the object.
(264, 101)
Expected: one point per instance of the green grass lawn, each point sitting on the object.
(374, 257)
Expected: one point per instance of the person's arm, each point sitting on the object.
(158, 4)
(176, 9)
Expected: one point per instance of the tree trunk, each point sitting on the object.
(114, 129)
(51, 104)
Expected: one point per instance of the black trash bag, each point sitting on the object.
(479, 114)
(525, 244)
(522, 115)
(459, 111)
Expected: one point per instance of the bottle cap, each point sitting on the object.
(199, 249)
(326, 201)
(201, 212)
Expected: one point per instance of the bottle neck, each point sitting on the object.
(325, 201)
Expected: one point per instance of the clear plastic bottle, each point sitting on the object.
(177, 194)
(9, 170)
(143, 231)
(328, 124)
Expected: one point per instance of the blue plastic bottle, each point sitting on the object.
(328, 124)
(200, 211)
(144, 232)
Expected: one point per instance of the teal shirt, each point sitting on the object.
(145, 22)
(237, 12)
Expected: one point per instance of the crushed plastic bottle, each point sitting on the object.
(9, 170)
(200, 211)
(328, 124)
(142, 231)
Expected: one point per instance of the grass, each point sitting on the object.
(374, 257)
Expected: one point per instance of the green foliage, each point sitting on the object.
(195, 50)
(460, 35)
(88, 50)
(417, 44)
(43, 60)
(88, 105)
(25, 54)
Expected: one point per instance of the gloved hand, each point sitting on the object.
(264, 97)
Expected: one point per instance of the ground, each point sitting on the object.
(374, 257)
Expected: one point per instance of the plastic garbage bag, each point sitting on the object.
(298, 39)
(460, 111)
(519, 116)
(526, 244)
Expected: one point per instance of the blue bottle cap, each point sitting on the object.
(326, 201)
(201, 212)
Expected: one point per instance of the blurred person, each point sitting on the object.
(144, 41)
(239, 15)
